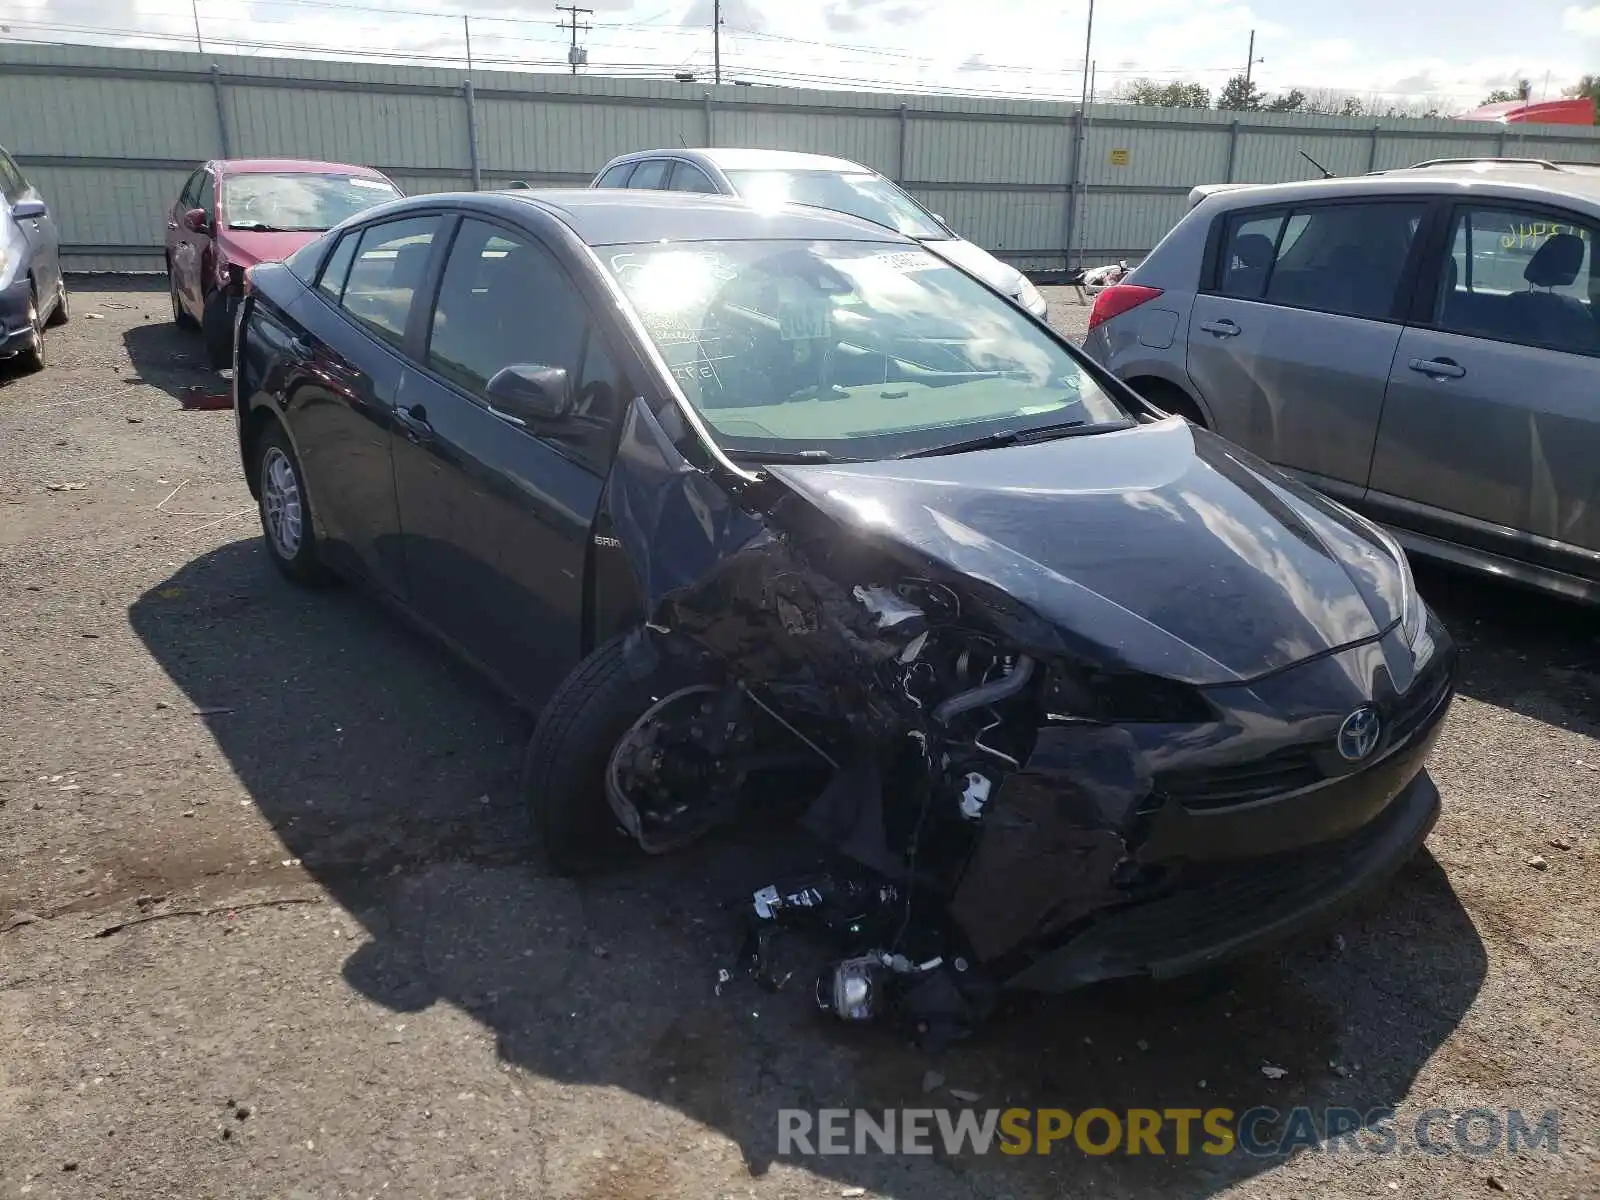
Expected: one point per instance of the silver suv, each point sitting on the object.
(1421, 344)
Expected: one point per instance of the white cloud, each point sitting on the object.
(1585, 22)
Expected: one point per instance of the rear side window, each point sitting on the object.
(387, 269)
(617, 176)
(331, 282)
(1522, 276)
(650, 173)
(1337, 258)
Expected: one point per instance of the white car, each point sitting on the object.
(785, 177)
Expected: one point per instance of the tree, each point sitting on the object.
(1588, 87)
(1166, 95)
(1240, 95)
(1293, 100)
(1523, 90)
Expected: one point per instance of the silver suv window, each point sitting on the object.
(1338, 258)
(1521, 275)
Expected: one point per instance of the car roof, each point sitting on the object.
(613, 216)
(300, 166)
(726, 158)
(1529, 181)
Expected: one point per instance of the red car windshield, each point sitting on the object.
(300, 202)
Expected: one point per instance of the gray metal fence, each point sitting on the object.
(109, 135)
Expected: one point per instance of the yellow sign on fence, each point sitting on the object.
(1119, 158)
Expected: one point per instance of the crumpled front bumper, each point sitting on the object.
(1238, 910)
(16, 330)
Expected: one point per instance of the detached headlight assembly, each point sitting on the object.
(1029, 296)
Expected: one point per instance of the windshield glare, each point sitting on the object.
(857, 350)
(300, 202)
(859, 194)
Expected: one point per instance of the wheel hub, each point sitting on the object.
(280, 502)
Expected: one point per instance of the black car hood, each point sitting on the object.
(1167, 549)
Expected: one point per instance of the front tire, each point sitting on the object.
(33, 359)
(180, 315)
(286, 509)
(564, 768)
(221, 308)
(62, 313)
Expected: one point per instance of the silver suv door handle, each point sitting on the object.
(1439, 368)
(1222, 328)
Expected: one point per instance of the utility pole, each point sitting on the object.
(1074, 203)
(466, 29)
(716, 41)
(194, 7)
(576, 57)
(1250, 61)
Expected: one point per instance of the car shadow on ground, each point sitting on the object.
(163, 355)
(1520, 649)
(391, 772)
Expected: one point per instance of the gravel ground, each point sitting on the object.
(271, 927)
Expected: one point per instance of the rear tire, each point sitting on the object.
(564, 768)
(285, 509)
(1170, 399)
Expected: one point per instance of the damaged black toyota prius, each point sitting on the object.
(774, 513)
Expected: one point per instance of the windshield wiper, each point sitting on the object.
(1014, 437)
(782, 457)
(256, 227)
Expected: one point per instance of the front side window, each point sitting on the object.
(1337, 258)
(390, 262)
(11, 180)
(297, 202)
(857, 193)
(686, 177)
(853, 350)
(649, 174)
(617, 176)
(206, 197)
(503, 300)
(190, 196)
(1522, 276)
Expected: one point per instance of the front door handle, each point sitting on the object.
(414, 421)
(1222, 328)
(1439, 368)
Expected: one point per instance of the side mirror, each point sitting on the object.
(524, 393)
(25, 210)
(195, 220)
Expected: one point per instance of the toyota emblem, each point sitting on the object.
(1358, 736)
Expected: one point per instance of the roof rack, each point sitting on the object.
(1542, 163)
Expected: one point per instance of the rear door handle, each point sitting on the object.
(1439, 368)
(1222, 328)
(414, 421)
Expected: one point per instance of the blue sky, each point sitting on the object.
(1453, 52)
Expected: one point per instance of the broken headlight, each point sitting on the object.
(1084, 693)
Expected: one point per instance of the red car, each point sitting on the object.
(234, 213)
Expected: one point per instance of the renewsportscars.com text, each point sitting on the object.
(1260, 1131)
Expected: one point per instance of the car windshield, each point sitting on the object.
(300, 202)
(850, 350)
(859, 193)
